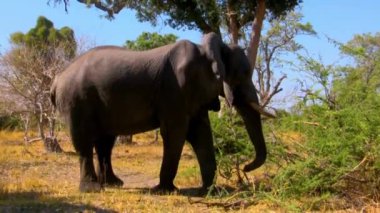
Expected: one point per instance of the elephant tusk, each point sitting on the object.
(260, 110)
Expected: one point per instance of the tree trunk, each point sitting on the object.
(233, 23)
(50, 143)
(25, 119)
(256, 32)
(125, 139)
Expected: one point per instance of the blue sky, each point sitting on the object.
(338, 19)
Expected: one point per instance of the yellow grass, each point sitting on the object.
(32, 180)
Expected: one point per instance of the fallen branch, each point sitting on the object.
(33, 140)
(310, 123)
(361, 163)
(237, 204)
(348, 174)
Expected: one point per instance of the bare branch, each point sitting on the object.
(276, 90)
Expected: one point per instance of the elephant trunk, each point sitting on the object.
(252, 121)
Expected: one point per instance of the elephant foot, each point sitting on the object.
(89, 186)
(163, 189)
(203, 191)
(113, 181)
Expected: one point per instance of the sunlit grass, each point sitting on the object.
(33, 180)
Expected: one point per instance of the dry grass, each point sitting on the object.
(33, 180)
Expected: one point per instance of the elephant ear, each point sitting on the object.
(213, 46)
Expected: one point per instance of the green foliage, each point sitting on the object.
(147, 41)
(44, 36)
(339, 151)
(336, 143)
(231, 141)
(8, 122)
(205, 16)
(320, 157)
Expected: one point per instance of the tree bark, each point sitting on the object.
(233, 27)
(125, 139)
(256, 32)
(52, 145)
(25, 121)
(50, 142)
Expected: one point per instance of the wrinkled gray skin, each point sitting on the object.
(112, 91)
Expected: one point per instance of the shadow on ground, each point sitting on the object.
(188, 192)
(40, 202)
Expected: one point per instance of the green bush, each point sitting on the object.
(338, 158)
(335, 154)
(8, 122)
(231, 142)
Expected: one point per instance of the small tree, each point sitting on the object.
(322, 77)
(277, 42)
(27, 71)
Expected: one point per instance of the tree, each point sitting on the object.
(322, 78)
(360, 83)
(278, 41)
(338, 117)
(340, 86)
(147, 41)
(205, 16)
(27, 71)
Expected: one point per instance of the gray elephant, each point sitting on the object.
(111, 91)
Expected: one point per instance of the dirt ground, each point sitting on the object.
(34, 181)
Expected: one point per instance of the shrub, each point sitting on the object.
(8, 122)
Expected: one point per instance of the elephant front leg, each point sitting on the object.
(200, 138)
(104, 170)
(173, 134)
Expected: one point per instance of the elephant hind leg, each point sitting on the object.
(88, 178)
(105, 173)
(200, 138)
(83, 135)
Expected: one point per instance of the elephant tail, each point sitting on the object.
(53, 89)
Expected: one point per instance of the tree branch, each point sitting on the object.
(256, 32)
(232, 22)
(276, 89)
(117, 6)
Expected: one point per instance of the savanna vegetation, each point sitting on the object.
(323, 148)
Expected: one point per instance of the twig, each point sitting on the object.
(311, 123)
(361, 162)
(33, 140)
(241, 203)
(347, 175)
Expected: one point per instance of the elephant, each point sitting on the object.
(110, 91)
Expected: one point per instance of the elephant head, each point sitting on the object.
(231, 66)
